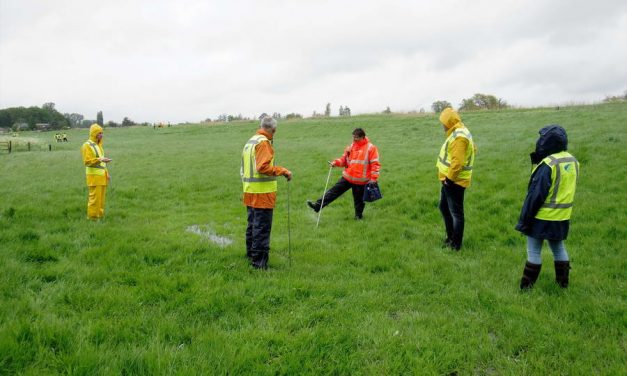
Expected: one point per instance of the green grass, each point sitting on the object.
(138, 294)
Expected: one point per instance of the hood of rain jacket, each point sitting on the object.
(449, 118)
(93, 132)
(552, 140)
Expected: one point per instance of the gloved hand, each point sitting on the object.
(331, 164)
(448, 182)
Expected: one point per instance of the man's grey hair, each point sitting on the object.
(268, 123)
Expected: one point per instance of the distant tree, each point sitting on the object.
(5, 119)
(341, 111)
(482, 102)
(49, 106)
(87, 123)
(387, 110)
(99, 118)
(74, 119)
(293, 116)
(439, 106)
(327, 110)
(276, 115)
(113, 124)
(32, 116)
(422, 110)
(347, 111)
(615, 98)
(126, 122)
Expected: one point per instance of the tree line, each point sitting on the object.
(29, 118)
(47, 117)
(476, 102)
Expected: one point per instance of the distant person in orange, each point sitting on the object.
(97, 175)
(361, 167)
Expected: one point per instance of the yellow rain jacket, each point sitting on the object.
(95, 170)
(458, 151)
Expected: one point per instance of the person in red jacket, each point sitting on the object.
(361, 166)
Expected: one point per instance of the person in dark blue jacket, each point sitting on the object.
(545, 214)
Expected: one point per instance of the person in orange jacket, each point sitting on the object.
(97, 175)
(454, 163)
(259, 174)
(361, 166)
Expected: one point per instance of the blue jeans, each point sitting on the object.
(534, 249)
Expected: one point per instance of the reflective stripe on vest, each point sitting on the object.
(558, 205)
(253, 181)
(444, 158)
(365, 162)
(100, 168)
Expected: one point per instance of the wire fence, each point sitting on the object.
(12, 146)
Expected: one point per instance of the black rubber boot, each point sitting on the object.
(314, 205)
(562, 269)
(530, 275)
(259, 260)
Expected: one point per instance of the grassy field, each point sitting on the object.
(153, 290)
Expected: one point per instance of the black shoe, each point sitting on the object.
(359, 217)
(313, 205)
(259, 260)
(446, 243)
(259, 266)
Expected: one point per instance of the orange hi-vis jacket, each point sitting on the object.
(361, 162)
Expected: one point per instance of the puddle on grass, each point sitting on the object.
(221, 241)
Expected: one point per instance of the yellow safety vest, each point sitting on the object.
(253, 181)
(564, 175)
(444, 158)
(101, 167)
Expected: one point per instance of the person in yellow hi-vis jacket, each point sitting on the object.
(455, 162)
(96, 172)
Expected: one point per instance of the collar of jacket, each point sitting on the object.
(363, 142)
(452, 129)
(265, 133)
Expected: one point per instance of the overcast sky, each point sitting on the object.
(189, 60)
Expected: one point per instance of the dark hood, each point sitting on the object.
(552, 140)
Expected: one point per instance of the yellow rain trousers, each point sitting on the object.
(97, 176)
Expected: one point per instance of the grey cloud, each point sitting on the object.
(199, 59)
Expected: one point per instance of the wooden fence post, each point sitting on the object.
(29, 146)
(9, 147)
(49, 147)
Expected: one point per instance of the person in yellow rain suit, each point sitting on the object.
(455, 163)
(96, 172)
